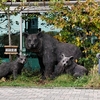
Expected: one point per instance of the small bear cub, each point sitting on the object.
(69, 66)
(13, 67)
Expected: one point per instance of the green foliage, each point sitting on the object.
(81, 82)
(80, 24)
(15, 39)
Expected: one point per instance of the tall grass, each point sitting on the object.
(93, 78)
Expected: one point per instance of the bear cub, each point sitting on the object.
(13, 67)
(69, 66)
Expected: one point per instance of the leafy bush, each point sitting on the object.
(80, 24)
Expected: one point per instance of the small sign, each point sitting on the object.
(10, 49)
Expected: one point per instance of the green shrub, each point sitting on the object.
(80, 25)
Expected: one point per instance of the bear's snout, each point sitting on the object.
(33, 45)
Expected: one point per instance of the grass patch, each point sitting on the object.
(33, 80)
(61, 81)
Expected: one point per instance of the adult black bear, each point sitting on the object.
(48, 50)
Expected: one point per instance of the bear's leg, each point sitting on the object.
(14, 74)
(42, 67)
(76, 75)
(49, 69)
(49, 61)
(57, 71)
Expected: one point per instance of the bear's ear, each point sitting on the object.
(62, 56)
(25, 34)
(39, 30)
(71, 57)
(39, 35)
